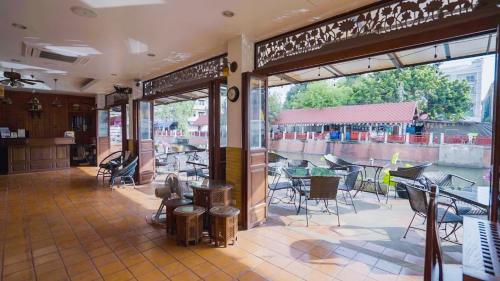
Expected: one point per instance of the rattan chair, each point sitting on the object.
(323, 189)
(350, 183)
(125, 174)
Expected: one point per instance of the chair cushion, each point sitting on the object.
(280, 185)
(449, 216)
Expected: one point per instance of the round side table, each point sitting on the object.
(211, 193)
(170, 206)
(224, 224)
(189, 224)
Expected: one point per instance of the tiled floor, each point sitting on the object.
(64, 225)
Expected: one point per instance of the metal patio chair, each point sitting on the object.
(274, 170)
(109, 163)
(349, 184)
(339, 165)
(125, 173)
(419, 204)
(406, 176)
(323, 188)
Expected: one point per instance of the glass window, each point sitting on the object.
(103, 119)
(128, 120)
(115, 125)
(145, 120)
(223, 116)
(257, 113)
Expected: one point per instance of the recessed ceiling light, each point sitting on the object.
(151, 55)
(228, 14)
(18, 25)
(83, 12)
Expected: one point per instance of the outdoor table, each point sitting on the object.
(377, 166)
(211, 193)
(478, 196)
(301, 175)
(481, 250)
(198, 166)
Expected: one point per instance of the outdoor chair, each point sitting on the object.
(444, 180)
(109, 163)
(434, 267)
(274, 170)
(339, 165)
(302, 164)
(125, 173)
(350, 183)
(406, 176)
(323, 188)
(445, 215)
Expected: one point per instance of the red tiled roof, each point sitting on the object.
(402, 112)
(202, 120)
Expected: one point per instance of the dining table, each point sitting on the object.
(477, 196)
(377, 166)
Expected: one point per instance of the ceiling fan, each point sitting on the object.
(14, 79)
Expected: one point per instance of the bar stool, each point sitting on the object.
(224, 224)
(170, 206)
(189, 224)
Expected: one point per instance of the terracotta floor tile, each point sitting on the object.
(122, 275)
(192, 260)
(47, 258)
(77, 268)
(44, 251)
(90, 275)
(141, 268)
(172, 269)
(104, 259)
(54, 275)
(15, 267)
(133, 259)
(187, 275)
(110, 268)
(388, 266)
(204, 269)
(154, 275)
(251, 276)
(49, 266)
(22, 275)
(219, 276)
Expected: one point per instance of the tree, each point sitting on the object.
(290, 95)
(274, 106)
(321, 94)
(435, 93)
(176, 112)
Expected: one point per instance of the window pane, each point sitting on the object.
(115, 123)
(257, 113)
(223, 116)
(103, 116)
(145, 120)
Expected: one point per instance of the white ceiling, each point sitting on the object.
(117, 41)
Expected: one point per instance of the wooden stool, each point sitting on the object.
(170, 206)
(189, 223)
(224, 224)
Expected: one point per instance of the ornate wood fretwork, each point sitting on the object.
(197, 73)
(116, 98)
(376, 20)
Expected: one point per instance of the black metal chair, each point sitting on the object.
(407, 176)
(109, 163)
(444, 180)
(125, 173)
(419, 205)
(274, 170)
(339, 165)
(350, 183)
(324, 189)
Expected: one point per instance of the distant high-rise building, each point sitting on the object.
(472, 73)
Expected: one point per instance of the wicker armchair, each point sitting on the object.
(323, 189)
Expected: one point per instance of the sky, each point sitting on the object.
(487, 75)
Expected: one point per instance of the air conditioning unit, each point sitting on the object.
(31, 51)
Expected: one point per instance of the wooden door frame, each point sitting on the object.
(245, 182)
(98, 142)
(495, 170)
(217, 154)
(137, 139)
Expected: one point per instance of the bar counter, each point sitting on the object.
(36, 154)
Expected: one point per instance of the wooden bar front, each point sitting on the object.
(37, 154)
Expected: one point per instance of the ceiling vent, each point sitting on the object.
(30, 51)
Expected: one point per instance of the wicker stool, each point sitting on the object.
(189, 224)
(170, 205)
(224, 224)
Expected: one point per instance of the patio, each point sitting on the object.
(74, 228)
